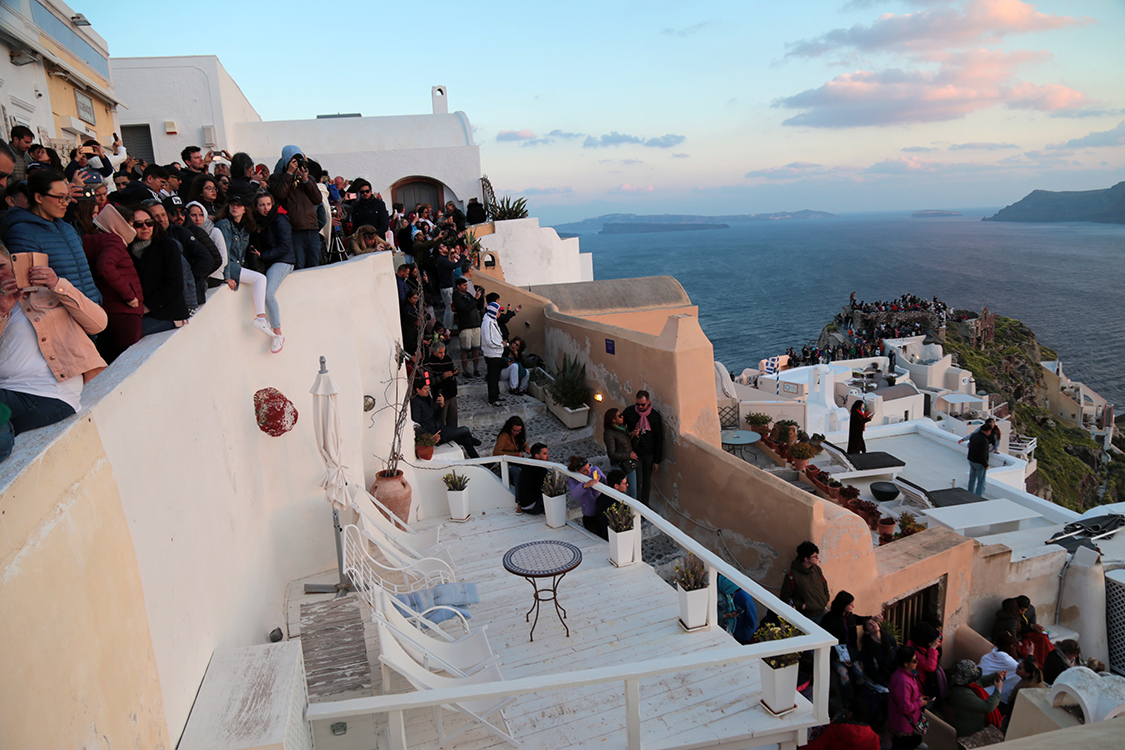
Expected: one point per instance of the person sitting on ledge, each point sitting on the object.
(529, 491)
(425, 410)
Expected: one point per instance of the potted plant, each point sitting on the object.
(816, 441)
(759, 423)
(908, 524)
(424, 444)
(778, 673)
(554, 499)
(457, 496)
(569, 393)
(848, 495)
(801, 453)
(691, 586)
(538, 382)
(868, 511)
(886, 527)
(834, 488)
(886, 538)
(619, 519)
(785, 431)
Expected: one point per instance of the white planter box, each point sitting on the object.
(693, 607)
(572, 418)
(539, 391)
(779, 687)
(621, 547)
(555, 510)
(458, 504)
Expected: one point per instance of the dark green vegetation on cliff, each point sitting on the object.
(1103, 206)
(1072, 467)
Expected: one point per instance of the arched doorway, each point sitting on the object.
(411, 191)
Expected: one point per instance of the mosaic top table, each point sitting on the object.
(543, 559)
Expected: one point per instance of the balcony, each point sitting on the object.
(627, 676)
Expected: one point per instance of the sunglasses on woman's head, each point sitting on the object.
(139, 224)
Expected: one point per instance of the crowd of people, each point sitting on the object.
(880, 687)
(143, 243)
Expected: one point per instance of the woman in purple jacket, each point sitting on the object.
(905, 702)
(591, 499)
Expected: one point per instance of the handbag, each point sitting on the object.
(922, 725)
(629, 465)
(251, 261)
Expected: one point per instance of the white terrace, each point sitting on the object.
(627, 676)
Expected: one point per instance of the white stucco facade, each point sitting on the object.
(531, 254)
(196, 93)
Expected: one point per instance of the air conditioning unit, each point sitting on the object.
(209, 136)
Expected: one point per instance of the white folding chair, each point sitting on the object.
(416, 546)
(422, 541)
(368, 573)
(478, 712)
(459, 657)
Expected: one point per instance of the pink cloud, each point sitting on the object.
(964, 82)
(632, 189)
(515, 135)
(978, 22)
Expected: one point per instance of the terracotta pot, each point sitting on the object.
(761, 429)
(834, 492)
(424, 452)
(393, 491)
(800, 463)
(886, 526)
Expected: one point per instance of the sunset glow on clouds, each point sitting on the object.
(720, 108)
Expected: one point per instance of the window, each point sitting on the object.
(57, 29)
(137, 140)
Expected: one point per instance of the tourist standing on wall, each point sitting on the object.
(297, 193)
(492, 346)
(646, 426)
(805, 587)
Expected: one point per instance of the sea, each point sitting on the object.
(763, 287)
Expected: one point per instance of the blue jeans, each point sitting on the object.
(28, 413)
(976, 478)
(150, 325)
(275, 274)
(306, 246)
(514, 475)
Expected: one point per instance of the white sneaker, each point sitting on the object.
(278, 343)
(262, 325)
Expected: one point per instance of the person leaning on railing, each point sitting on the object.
(46, 354)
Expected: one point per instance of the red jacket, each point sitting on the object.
(114, 273)
(845, 737)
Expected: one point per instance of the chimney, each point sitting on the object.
(441, 100)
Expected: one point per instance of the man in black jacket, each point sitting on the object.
(644, 424)
(198, 249)
(529, 491)
(426, 410)
(980, 444)
(153, 180)
(369, 208)
(468, 308)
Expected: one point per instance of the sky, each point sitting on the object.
(587, 108)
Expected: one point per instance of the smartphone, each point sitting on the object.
(22, 263)
(349, 196)
(115, 137)
(88, 150)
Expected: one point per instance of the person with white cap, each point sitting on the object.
(492, 347)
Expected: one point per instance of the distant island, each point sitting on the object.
(933, 214)
(596, 224)
(1103, 206)
(644, 228)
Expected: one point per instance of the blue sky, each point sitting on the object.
(725, 107)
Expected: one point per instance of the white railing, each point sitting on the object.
(813, 639)
(1022, 445)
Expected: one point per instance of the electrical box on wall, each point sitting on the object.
(170, 127)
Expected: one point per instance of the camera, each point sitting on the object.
(301, 162)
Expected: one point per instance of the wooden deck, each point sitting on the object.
(616, 616)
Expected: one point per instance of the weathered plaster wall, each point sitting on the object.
(183, 532)
(645, 321)
(79, 665)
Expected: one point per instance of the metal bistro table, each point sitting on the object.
(737, 440)
(545, 558)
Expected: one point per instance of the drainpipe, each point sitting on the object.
(1062, 581)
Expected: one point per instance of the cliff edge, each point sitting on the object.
(1103, 206)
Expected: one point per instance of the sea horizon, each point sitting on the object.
(782, 281)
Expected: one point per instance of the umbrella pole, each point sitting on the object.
(342, 587)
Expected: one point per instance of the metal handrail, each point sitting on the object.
(813, 639)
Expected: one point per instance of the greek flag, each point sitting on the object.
(771, 365)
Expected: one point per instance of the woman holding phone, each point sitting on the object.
(273, 243)
(46, 354)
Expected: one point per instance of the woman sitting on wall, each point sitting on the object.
(594, 504)
(272, 241)
(970, 707)
(46, 354)
(105, 239)
(366, 240)
(198, 215)
(236, 225)
(841, 622)
(160, 266)
(512, 441)
(513, 368)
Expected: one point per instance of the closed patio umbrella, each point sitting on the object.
(334, 481)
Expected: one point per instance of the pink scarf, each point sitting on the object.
(642, 423)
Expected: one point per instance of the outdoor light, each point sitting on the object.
(368, 403)
(79, 20)
(340, 728)
(597, 397)
(21, 58)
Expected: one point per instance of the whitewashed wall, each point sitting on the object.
(530, 254)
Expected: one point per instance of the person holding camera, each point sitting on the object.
(293, 190)
(369, 208)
